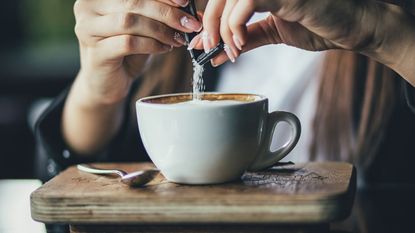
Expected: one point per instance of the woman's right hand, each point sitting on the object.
(116, 38)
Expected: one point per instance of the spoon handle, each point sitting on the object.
(93, 170)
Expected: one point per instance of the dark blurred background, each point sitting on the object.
(38, 57)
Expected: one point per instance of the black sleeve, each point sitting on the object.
(410, 96)
(53, 154)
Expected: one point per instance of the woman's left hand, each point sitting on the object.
(370, 27)
(312, 25)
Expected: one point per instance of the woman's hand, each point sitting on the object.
(116, 38)
(382, 31)
(312, 24)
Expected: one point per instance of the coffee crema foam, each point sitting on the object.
(212, 97)
(209, 102)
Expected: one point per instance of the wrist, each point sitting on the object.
(393, 39)
(89, 120)
(99, 91)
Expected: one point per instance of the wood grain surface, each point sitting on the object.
(309, 193)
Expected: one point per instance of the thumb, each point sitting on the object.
(261, 33)
(258, 34)
(274, 30)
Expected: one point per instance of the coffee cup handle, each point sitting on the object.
(267, 158)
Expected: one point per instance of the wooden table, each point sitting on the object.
(289, 198)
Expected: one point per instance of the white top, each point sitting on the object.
(289, 78)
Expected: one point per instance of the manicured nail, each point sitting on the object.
(237, 42)
(193, 42)
(181, 3)
(191, 24)
(179, 38)
(229, 53)
(213, 63)
(206, 42)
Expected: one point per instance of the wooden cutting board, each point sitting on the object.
(301, 193)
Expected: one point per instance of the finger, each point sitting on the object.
(196, 42)
(258, 37)
(274, 31)
(107, 5)
(244, 9)
(120, 46)
(82, 8)
(277, 5)
(200, 15)
(219, 59)
(176, 3)
(261, 33)
(93, 29)
(240, 15)
(211, 23)
(226, 34)
(160, 11)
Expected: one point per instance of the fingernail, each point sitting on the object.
(193, 42)
(237, 42)
(181, 3)
(179, 38)
(213, 63)
(229, 53)
(191, 24)
(206, 42)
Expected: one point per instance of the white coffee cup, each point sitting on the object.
(210, 143)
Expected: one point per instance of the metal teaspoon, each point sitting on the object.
(134, 179)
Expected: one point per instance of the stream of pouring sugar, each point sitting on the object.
(198, 86)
